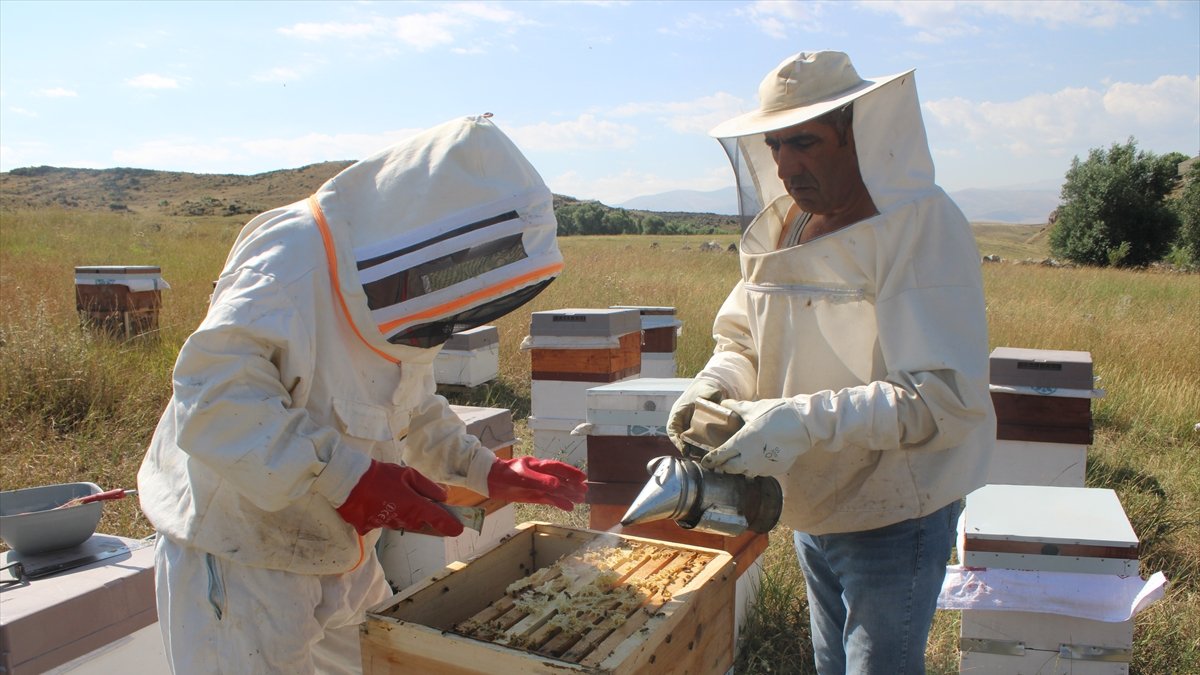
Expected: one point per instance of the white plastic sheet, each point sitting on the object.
(1099, 597)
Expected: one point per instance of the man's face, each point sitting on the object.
(819, 171)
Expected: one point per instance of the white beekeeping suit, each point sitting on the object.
(314, 359)
(874, 333)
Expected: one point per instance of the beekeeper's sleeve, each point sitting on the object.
(234, 411)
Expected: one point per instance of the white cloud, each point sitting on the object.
(277, 75)
(689, 117)
(493, 13)
(239, 155)
(11, 158)
(780, 19)
(57, 92)
(1169, 99)
(1056, 13)
(170, 154)
(153, 81)
(425, 31)
(419, 30)
(621, 187)
(693, 25)
(317, 32)
(583, 132)
(315, 147)
(1162, 115)
(938, 20)
(24, 112)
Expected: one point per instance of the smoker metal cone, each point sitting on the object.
(665, 495)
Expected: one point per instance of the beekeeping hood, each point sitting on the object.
(893, 152)
(445, 231)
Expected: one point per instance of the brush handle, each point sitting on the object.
(98, 497)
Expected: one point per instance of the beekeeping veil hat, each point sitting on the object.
(801, 88)
(445, 231)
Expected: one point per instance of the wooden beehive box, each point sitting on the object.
(1049, 528)
(584, 345)
(120, 299)
(660, 329)
(469, 358)
(686, 628)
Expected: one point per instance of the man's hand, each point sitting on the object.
(398, 498)
(681, 413)
(537, 481)
(773, 437)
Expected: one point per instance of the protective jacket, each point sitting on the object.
(877, 331)
(316, 353)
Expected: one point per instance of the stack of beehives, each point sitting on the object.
(1043, 400)
(571, 351)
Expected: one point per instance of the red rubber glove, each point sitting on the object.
(398, 498)
(537, 481)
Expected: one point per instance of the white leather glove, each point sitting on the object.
(773, 437)
(681, 413)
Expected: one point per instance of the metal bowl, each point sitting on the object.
(30, 523)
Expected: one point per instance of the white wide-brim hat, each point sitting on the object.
(802, 87)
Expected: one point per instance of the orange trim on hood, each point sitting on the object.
(494, 290)
(362, 554)
(331, 259)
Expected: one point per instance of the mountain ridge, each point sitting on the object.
(175, 193)
(1005, 205)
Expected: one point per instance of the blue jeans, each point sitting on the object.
(872, 595)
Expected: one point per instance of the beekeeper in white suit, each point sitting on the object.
(304, 416)
(855, 349)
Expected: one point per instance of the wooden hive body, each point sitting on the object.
(120, 299)
(688, 629)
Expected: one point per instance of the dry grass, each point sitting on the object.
(76, 406)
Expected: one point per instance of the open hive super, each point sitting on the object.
(554, 599)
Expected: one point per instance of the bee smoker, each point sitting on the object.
(703, 500)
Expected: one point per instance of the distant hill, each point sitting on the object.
(1023, 206)
(172, 193)
(178, 194)
(723, 201)
(1006, 206)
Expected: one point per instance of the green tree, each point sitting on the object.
(618, 221)
(1187, 208)
(589, 218)
(654, 225)
(565, 215)
(1113, 210)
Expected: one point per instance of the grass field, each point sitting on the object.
(79, 406)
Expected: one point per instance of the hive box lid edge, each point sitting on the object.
(1041, 368)
(1050, 514)
(474, 338)
(118, 269)
(641, 386)
(585, 322)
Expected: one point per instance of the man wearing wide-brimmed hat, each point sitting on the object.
(855, 349)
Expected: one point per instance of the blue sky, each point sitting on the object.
(610, 100)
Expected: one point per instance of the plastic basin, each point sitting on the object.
(30, 523)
